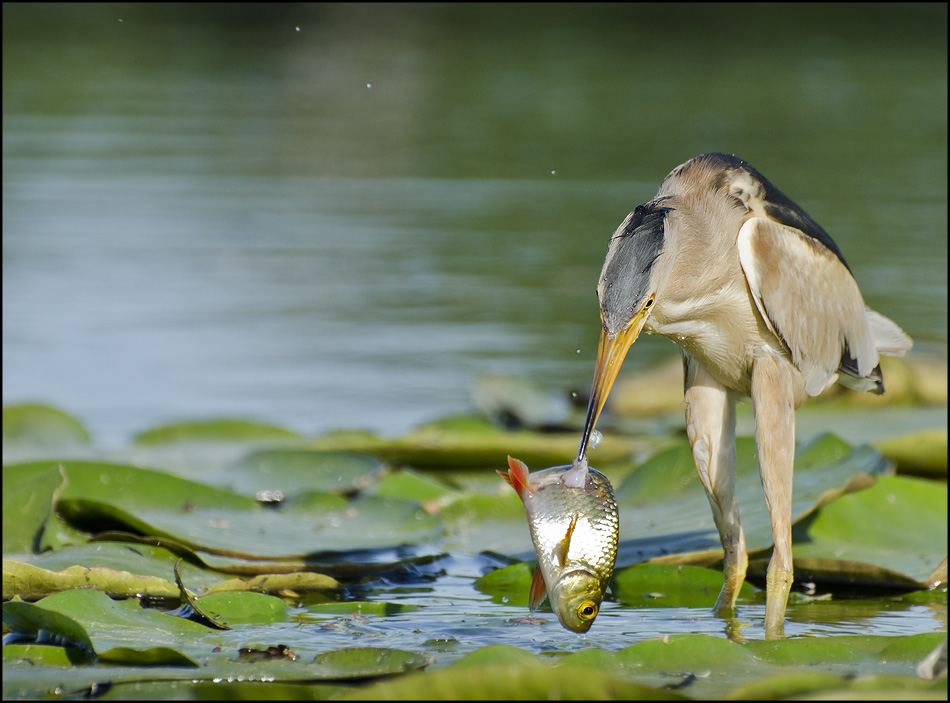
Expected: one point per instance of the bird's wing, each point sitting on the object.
(810, 301)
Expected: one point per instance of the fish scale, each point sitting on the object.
(575, 533)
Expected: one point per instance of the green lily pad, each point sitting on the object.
(362, 607)
(664, 508)
(154, 503)
(362, 662)
(273, 583)
(32, 582)
(476, 444)
(898, 525)
(119, 631)
(508, 682)
(44, 655)
(28, 491)
(219, 430)
(918, 453)
(293, 471)
(669, 585)
(144, 560)
(243, 608)
(41, 427)
(412, 485)
(509, 584)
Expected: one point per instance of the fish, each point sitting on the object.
(574, 524)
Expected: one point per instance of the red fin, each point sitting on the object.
(566, 543)
(538, 589)
(517, 476)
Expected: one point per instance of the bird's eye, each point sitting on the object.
(587, 610)
(649, 304)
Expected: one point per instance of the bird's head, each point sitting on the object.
(637, 266)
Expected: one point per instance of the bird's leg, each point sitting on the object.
(711, 428)
(773, 399)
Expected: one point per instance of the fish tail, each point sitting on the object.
(517, 475)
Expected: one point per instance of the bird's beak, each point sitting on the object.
(610, 355)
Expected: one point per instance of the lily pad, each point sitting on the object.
(214, 520)
(41, 427)
(274, 583)
(918, 453)
(28, 491)
(899, 525)
(665, 499)
(243, 608)
(218, 430)
(668, 585)
(289, 472)
(476, 444)
(115, 630)
(32, 582)
(509, 584)
(508, 682)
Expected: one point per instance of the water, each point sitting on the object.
(327, 216)
(454, 619)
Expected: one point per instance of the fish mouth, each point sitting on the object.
(610, 355)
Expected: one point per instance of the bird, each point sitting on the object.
(762, 304)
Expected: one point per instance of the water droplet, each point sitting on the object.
(369, 85)
(595, 437)
(553, 172)
(297, 28)
(504, 599)
(578, 351)
(573, 394)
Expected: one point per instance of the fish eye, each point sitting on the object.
(587, 610)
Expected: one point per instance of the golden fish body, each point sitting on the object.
(575, 533)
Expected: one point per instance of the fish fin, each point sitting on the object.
(538, 589)
(517, 475)
(566, 543)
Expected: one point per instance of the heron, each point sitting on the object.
(762, 304)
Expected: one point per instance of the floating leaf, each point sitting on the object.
(510, 584)
(32, 582)
(243, 608)
(477, 445)
(273, 583)
(41, 427)
(508, 682)
(898, 526)
(364, 662)
(211, 519)
(144, 560)
(358, 607)
(412, 485)
(294, 471)
(918, 453)
(664, 508)
(27, 504)
(219, 430)
(668, 585)
(115, 630)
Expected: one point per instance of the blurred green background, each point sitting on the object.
(326, 215)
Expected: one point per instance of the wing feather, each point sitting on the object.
(810, 301)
